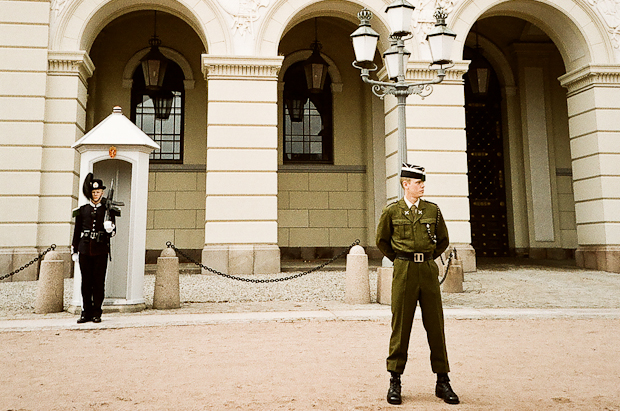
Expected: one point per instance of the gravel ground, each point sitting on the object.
(555, 364)
(496, 285)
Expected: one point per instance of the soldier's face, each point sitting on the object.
(414, 188)
(96, 195)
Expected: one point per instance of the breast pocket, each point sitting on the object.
(403, 228)
(427, 232)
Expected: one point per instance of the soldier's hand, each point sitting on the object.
(75, 257)
(109, 226)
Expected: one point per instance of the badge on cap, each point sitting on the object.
(411, 171)
(95, 185)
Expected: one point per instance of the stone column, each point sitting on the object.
(23, 66)
(593, 111)
(436, 139)
(65, 118)
(242, 162)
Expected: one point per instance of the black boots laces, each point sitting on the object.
(393, 395)
(444, 391)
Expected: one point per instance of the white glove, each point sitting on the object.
(109, 226)
(75, 257)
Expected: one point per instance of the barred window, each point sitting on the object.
(308, 136)
(165, 125)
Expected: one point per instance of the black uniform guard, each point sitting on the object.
(412, 233)
(91, 242)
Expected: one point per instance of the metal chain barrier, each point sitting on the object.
(445, 274)
(254, 280)
(52, 247)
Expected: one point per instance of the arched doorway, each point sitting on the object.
(485, 158)
(519, 158)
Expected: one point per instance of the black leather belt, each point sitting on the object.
(93, 235)
(415, 257)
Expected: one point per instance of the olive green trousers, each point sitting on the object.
(412, 283)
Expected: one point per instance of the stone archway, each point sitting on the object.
(289, 13)
(71, 31)
(578, 33)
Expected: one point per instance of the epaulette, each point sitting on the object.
(437, 208)
(390, 205)
(75, 212)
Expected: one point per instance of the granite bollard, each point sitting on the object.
(384, 285)
(454, 277)
(51, 284)
(357, 284)
(166, 294)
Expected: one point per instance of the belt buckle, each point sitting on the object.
(418, 257)
(93, 235)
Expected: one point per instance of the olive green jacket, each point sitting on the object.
(401, 231)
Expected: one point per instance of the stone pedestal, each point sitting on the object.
(604, 258)
(454, 278)
(22, 257)
(357, 285)
(242, 259)
(6, 264)
(50, 288)
(384, 285)
(166, 294)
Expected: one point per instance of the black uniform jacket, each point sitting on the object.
(89, 236)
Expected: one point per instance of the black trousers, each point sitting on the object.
(93, 269)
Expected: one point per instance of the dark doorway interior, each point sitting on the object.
(485, 159)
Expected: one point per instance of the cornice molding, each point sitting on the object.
(70, 63)
(241, 67)
(421, 71)
(586, 77)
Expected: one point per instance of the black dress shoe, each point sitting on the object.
(96, 319)
(444, 391)
(393, 395)
(83, 320)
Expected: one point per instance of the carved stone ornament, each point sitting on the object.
(244, 14)
(58, 5)
(423, 19)
(610, 10)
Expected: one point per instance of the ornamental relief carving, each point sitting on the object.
(58, 6)
(244, 14)
(423, 19)
(610, 10)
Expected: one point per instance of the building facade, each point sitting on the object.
(526, 163)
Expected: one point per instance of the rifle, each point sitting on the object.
(111, 206)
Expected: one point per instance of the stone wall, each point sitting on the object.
(321, 209)
(176, 208)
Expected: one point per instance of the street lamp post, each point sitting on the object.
(365, 39)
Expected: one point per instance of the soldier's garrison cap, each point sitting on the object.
(411, 171)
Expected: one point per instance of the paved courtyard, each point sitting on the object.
(521, 337)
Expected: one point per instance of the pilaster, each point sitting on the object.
(241, 171)
(23, 64)
(65, 117)
(593, 109)
(436, 140)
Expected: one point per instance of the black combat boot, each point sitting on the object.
(444, 391)
(393, 395)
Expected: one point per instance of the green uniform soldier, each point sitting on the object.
(412, 233)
